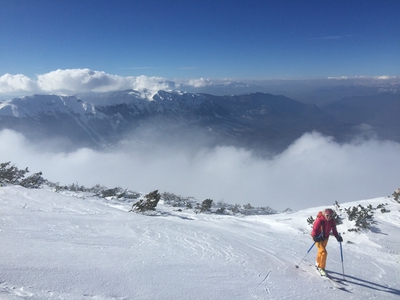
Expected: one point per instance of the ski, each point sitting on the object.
(335, 283)
(338, 280)
(331, 281)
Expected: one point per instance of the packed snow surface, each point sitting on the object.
(76, 246)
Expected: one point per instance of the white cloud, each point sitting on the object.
(85, 80)
(313, 171)
(385, 77)
(362, 77)
(148, 83)
(199, 82)
(74, 81)
(10, 84)
(81, 80)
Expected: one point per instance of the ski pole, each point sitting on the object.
(308, 251)
(341, 256)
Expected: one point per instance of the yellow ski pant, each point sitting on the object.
(322, 253)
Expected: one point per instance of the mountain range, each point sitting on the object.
(258, 121)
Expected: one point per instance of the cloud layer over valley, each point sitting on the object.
(314, 170)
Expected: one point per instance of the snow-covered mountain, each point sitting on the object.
(253, 121)
(100, 119)
(75, 245)
(113, 115)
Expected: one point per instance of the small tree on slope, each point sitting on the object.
(149, 202)
(10, 174)
(396, 195)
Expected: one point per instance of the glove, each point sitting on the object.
(316, 238)
(339, 239)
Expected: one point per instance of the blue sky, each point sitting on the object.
(210, 39)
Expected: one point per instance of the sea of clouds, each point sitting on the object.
(313, 171)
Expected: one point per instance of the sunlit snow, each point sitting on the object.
(76, 246)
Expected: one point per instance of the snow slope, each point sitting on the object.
(32, 106)
(73, 246)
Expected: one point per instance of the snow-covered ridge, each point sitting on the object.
(47, 104)
(50, 104)
(96, 120)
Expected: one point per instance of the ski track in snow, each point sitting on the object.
(61, 247)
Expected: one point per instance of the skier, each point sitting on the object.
(320, 233)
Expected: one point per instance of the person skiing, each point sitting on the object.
(323, 225)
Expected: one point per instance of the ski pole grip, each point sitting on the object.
(314, 243)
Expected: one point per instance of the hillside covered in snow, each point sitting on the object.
(65, 244)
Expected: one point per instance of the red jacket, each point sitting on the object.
(321, 224)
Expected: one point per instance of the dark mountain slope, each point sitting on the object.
(378, 114)
(277, 120)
